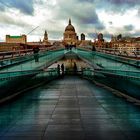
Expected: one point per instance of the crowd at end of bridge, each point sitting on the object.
(62, 70)
(70, 47)
(73, 46)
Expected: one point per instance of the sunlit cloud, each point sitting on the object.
(88, 16)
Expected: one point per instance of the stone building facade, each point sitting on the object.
(16, 39)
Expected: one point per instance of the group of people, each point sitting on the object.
(69, 47)
(60, 69)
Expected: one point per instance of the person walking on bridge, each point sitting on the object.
(36, 55)
(75, 68)
(58, 70)
(62, 69)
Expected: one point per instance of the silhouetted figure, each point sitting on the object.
(75, 68)
(67, 47)
(74, 46)
(70, 47)
(93, 48)
(36, 55)
(62, 69)
(58, 70)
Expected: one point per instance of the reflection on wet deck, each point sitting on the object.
(69, 109)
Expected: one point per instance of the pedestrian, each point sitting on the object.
(93, 48)
(62, 69)
(75, 68)
(36, 55)
(58, 70)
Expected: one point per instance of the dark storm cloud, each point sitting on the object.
(124, 2)
(88, 18)
(25, 6)
(138, 13)
(113, 6)
(104, 3)
(81, 12)
(8, 20)
(92, 19)
(110, 22)
(136, 34)
(120, 6)
(53, 15)
(86, 0)
(55, 34)
(92, 35)
(1, 7)
(100, 26)
(106, 35)
(128, 27)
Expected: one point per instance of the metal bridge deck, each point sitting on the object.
(69, 109)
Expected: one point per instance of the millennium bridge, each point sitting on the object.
(100, 100)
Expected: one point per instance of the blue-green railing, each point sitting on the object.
(45, 59)
(25, 75)
(117, 73)
(4, 63)
(101, 60)
(121, 73)
(127, 60)
(16, 74)
(14, 83)
(128, 82)
(133, 53)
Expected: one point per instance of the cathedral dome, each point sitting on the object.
(70, 27)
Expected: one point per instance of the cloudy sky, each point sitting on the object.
(110, 17)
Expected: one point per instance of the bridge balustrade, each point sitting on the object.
(124, 73)
(120, 73)
(116, 51)
(26, 76)
(92, 57)
(127, 82)
(27, 62)
(130, 61)
(17, 82)
(16, 53)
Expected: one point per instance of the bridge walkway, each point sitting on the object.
(69, 108)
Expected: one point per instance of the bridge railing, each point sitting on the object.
(15, 74)
(22, 52)
(44, 55)
(119, 58)
(15, 53)
(14, 83)
(121, 52)
(126, 82)
(120, 73)
(89, 55)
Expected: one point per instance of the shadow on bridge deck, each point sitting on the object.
(69, 108)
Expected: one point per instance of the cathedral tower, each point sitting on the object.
(70, 36)
(45, 40)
